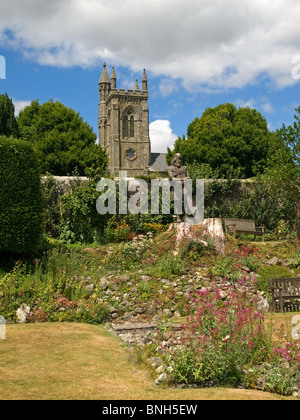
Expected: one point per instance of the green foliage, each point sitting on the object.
(55, 289)
(226, 138)
(72, 216)
(266, 272)
(52, 192)
(21, 204)
(8, 122)
(171, 265)
(116, 230)
(62, 140)
(77, 210)
(227, 342)
(143, 223)
(255, 200)
(236, 264)
(275, 376)
(80, 221)
(218, 338)
(129, 255)
(283, 172)
(153, 255)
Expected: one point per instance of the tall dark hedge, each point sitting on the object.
(8, 122)
(21, 203)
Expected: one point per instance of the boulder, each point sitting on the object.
(103, 284)
(163, 378)
(22, 313)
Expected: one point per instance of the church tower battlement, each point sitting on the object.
(123, 125)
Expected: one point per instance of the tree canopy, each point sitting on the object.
(64, 143)
(226, 138)
(283, 170)
(8, 122)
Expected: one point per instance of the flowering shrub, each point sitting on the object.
(133, 252)
(235, 265)
(63, 302)
(37, 315)
(223, 337)
(91, 311)
(116, 230)
(155, 227)
(248, 257)
(273, 376)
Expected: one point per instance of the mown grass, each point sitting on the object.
(69, 361)
(79, 361)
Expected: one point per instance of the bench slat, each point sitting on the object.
(284, 289)
(243, 226)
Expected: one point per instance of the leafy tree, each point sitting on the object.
(226, 138)
(284, 164)
(8, 122)
(63, 141)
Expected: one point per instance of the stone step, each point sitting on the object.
(133, 326)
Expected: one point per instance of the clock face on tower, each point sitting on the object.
(130, 154)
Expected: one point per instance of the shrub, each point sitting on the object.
(116, 230)
(155, 227)
(225, 341)
(55, 288)
(52, 191)
(37, 315)
(266, 272)
(21, 203)
(80, 222)
(219, 338)
(171, 265)
(237, 263)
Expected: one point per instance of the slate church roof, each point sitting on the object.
(158, 162)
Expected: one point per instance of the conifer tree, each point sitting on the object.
(8, 122)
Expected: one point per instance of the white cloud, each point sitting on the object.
(161, 136)
(245, 104)
(212, 44)
(260, 103)
(167, 87)
(267, 108)
(19, 105)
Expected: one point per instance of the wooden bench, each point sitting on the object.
(285, 291)
(244, 226)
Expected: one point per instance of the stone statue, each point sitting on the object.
(177, 171)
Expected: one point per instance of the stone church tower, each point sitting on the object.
(124, 125)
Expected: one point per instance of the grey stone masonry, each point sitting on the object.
(124, 125)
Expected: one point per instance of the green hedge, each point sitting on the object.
(21, 203)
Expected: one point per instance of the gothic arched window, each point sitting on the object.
(131, 126)
(105, 133)
(128, 129)
(125, 126)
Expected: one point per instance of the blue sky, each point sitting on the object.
(197, 54)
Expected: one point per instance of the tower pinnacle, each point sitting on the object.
(136, 88)
(113, 79)
(104, 76)
(145, 82)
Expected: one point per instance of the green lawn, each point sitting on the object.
(69, 361)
